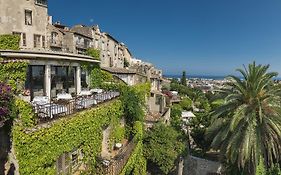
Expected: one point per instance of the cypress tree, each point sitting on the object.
(183, 78)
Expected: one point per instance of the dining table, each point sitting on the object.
(85, 93)
(64, 96)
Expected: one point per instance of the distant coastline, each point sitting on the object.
(214, 77)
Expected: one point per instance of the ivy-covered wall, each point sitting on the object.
(38, 151)
(12, 73)
(137, 163)
(9, 42)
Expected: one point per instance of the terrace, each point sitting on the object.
(65, 105)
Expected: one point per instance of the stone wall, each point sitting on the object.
(198, 166)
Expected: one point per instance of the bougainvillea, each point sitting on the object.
(6, 98)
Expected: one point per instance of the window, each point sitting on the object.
(74, 159)
(102, 46)
(69, 162)
(86, 43)
(23, 39)
(158, 99)
(28, 17)
(35, 80)
(63, 79)
(41, 2)
(43, 41)
(37, 41)
(84, 79)
(54, 36)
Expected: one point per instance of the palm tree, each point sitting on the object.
(247, 127)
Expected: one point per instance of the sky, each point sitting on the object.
(202, 37)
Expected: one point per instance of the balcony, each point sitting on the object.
(63, 108)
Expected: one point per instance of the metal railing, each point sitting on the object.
(117, 164)
(61, 108)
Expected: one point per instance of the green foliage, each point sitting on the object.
(261, 170)
(162, 146)
(37, 150)
(183, 78)
(166, 87)
(174, 81)
(137, 163)
(14, 74)
(133, 99)
(186, 104)
(216, 103)
(143, 90)
(9, 42)
(117, 132)
(95, 53)
(248, 124)
(176, 121)
(274, 170)
(138, 131)
(199, 125)
(25, 112)
(99, 77)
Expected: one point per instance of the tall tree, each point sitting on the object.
(162, 146)
(247, 126)
(183, 78)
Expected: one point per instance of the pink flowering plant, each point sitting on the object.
(6, 99)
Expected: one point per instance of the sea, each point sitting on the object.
(213, 77)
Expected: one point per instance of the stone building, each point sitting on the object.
(27, 19)
(53, 51)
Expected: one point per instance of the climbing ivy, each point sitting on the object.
(37, 149)
(23, 109)
(133, 99)
(12, 73)
(9, 42)
(95, 53)
(137, 163)
(99, 77)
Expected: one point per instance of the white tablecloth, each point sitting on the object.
(85, 103)
(64, 96)
(97, 90)
(40, 100)
(85, 93)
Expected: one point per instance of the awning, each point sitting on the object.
(27, 54)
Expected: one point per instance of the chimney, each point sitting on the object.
(50, 19)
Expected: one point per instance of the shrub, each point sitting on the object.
(95, 53)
